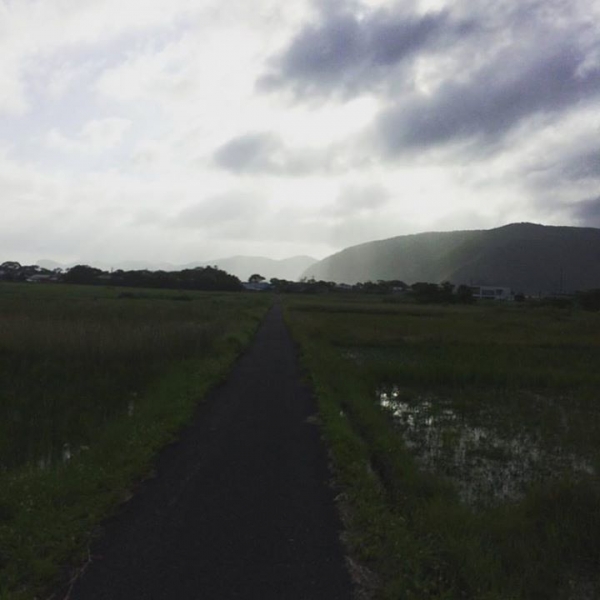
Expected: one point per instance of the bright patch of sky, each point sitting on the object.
(194, 130)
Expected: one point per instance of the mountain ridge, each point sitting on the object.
(526, 257)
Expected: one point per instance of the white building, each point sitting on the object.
(490, 292)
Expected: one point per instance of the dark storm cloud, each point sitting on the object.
(573, 167)
(497, 98)
(494, 69)
(585, 165)
(587, 212)
(344, 53)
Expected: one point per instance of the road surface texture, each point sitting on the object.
(241, 506)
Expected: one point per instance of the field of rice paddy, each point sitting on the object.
(466, 442)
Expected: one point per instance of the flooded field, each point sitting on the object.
(480, 431)
(490, 457)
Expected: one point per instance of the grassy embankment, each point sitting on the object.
(466, 442)
(93, 381)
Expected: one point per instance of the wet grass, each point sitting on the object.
(93, 381)
(466, 441)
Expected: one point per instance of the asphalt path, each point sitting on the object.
(241, 505)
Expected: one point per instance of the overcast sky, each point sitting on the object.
(198, 129)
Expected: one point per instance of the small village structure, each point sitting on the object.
(488, 292)
(256, 286)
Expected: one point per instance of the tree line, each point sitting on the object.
(214, 279)
(199, 278)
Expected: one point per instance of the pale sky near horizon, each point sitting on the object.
(199, 129)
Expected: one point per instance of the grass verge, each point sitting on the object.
(407, 524)
(91, 406)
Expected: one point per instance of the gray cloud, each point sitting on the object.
(360, 199)
(256, 153)
(585, 165)
(500, 96)
(557, 176)
(357, 229)
(495, 66)
(345, 54)
(222, 214)
(249, 153)
(587, 212)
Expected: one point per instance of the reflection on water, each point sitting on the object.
(487, 464)
(66, 453)
(51, 437)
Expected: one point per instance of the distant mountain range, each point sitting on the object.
(240, 266)
(526, 257)
(245, 266)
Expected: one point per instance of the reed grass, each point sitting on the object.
(93, 382)
(508, 368)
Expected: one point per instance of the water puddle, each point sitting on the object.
(66, 453)
(62, 455)
(487, 464)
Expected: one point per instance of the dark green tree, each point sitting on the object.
(589, 299)
(464, 294)
(82, 274)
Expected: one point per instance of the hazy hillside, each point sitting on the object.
(526, 257)
(245, 266)
(240, 266)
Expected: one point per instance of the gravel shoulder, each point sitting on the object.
(241, 505)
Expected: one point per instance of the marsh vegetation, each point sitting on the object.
(466, 441)
(93, 381)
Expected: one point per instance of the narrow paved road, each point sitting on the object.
(240, 507)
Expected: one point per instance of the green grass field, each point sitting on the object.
(466, 442)
(93, 381)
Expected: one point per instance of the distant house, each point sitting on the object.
(489, 292)
(261, 286)
(40, 279)
(343, 287)
(397, 289)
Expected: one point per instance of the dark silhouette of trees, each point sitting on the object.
(11, 270)
(426, 293)
(589, 299)
(464, 294)
(433, 293)
(82, 274)
(10, 265)
(200, 278)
